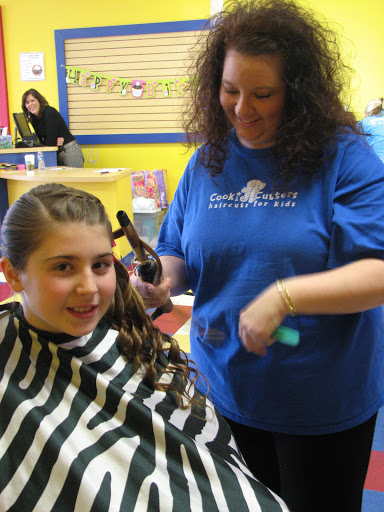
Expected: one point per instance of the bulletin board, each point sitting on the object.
(125, 84)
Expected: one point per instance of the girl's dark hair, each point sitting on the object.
(43, 103)
(313, 72)
(24, 228)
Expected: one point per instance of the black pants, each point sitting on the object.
(323, 473)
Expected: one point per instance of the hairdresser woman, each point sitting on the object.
(51, 129)
(279, 219)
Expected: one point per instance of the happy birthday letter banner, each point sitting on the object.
(86, 78)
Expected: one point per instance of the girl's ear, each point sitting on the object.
(11, 275)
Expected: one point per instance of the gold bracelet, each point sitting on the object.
(282, 289)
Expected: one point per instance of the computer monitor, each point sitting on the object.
(23, 128)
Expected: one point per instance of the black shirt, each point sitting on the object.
(50, 127)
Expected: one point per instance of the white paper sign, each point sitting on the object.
(32, 66)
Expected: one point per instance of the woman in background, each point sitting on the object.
(51, 128)
(373, 125)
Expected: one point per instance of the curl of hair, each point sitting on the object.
(315, 77)
(144, 345)
(43, 103)
(34, 216)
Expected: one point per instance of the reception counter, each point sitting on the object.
(16, 155)
(111, 186)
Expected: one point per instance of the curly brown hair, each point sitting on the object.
(316, 79)
(26, 225)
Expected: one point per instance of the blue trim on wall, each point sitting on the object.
(61, 75)
(147, 28)
(131, 138)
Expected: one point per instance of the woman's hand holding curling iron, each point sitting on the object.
(153, 296)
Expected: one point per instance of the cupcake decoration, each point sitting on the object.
(137, 89)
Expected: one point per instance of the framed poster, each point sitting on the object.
(32, 66)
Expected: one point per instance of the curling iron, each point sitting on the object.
(150, 270)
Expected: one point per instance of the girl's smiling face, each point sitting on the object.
(32, 104)
(252, 94)
(69, 281)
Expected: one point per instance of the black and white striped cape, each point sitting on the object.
(80, 431)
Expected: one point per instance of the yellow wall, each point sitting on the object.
(29, 27)
(361, 25)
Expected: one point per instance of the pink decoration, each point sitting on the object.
(180, 86)
(110, 83)
(151, 86)
(137, 88)
(83, 77)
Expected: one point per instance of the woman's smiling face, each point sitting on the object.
(32, 104)
(252, 94)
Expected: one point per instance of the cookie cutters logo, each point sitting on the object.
(37, 70)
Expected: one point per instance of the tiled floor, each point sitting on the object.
(177, 324)
(373, 500)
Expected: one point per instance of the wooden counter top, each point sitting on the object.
(28, 150)
(67, 174)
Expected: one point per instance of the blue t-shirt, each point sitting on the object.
(374, 126)
(237, 235)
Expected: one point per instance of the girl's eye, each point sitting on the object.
(62, 267)
(229, 92)
(102, 265)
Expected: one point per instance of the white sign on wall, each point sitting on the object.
(32, 66)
